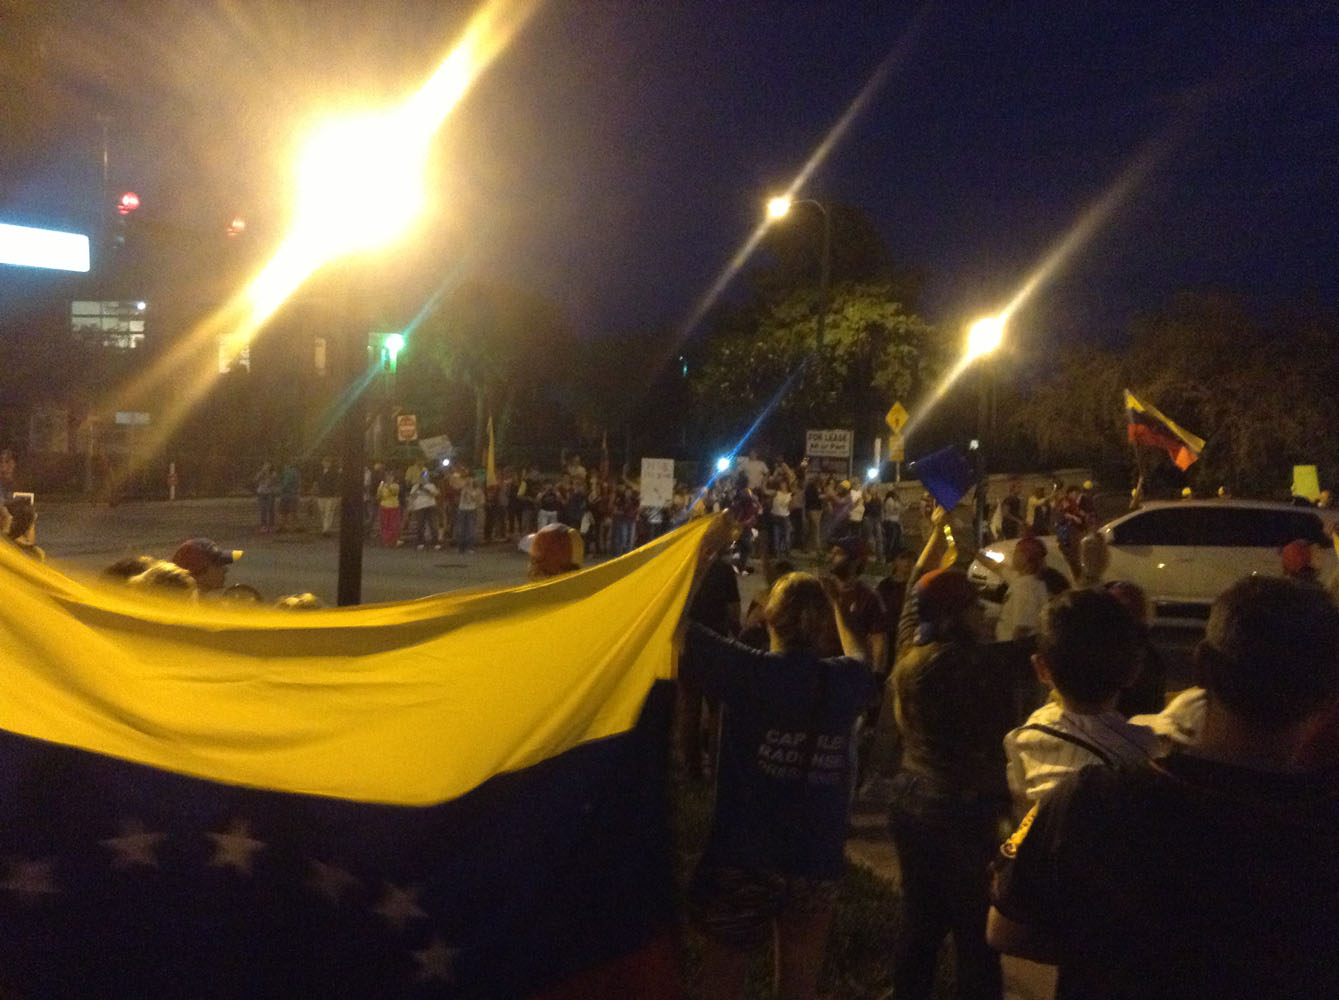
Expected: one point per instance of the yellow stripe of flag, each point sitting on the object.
(411, 703)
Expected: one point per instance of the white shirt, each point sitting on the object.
(756, 469)
(1181, 720)
(470, 497)
(1039, 760)
(781, 503)
(1023, 602)
(892, 508)
(423, 495)
(856, 515)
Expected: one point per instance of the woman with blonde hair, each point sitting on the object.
(774, 855)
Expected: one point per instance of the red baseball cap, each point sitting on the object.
(197, 554)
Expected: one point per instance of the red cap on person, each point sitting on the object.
(197, 554)
(1296, 557)
(942, 593)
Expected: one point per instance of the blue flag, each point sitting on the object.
(946, 474)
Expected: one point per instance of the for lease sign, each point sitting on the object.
(828, 444)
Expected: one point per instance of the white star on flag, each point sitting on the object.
(234, 848)
(31, 878)
(136, 845)
(436, 961)
(330, 880)
(399, 905)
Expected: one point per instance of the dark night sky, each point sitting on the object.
(619, 152)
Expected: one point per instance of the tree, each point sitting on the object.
(499, 346)
(1073, 416)
(762, 362)
(1260, 394)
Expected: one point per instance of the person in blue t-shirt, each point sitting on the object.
(774, 855)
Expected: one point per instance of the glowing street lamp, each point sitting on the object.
(984, 336)
(361, 186)
(361, 183)
(778, 208)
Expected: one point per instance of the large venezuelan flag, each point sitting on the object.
(458, 796)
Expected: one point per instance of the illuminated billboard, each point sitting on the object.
(24, 246)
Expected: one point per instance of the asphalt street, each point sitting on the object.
(84, 537)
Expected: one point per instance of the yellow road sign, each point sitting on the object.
(897, 417)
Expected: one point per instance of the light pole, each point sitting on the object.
(778, 208)
(982, 339)
(360, 187)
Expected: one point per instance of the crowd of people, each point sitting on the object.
(431, 505)
(1047, 795)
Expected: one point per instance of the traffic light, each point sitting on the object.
(386, 348)
(121, 228)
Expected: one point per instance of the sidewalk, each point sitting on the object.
(870, 846)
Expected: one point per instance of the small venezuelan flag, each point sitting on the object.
(1147, 425)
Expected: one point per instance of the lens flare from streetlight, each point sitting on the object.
(778, 206)
(893, 60)
(361, 179)
(984, 336)
(360, 184)
(352, 196)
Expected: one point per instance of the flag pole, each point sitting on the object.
(1136, 494)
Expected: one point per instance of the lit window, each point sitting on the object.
(109, 324)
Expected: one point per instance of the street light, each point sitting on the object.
(778, 208)
(361, 186)
(983, 338)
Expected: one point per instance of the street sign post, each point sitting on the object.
(826, 444)
(896, 418)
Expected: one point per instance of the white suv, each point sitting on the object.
(1185, 553)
